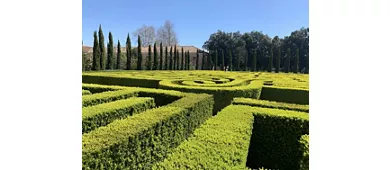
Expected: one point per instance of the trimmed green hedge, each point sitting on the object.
(222, 142)
(222, 95)
(99, 98)
(270, 104)
(304, 147)
(287, 95)
(86, 92)
(103, 114)
(139, 141)
(275, 138)
(96, 88)
(121, 81)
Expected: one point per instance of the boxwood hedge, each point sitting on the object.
(270, 104)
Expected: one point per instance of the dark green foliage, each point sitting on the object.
(84, 63)
(270, 60)
(144, 139)
(297, 96)
(102, 49)
(287, 63)
(275, 139)
(166, 58)
(197, 59)
(121, 81)
(296, 65)
(304, 149)
(230, 60)
(279, 54)
(150, 58)
(177, 60)
(103, 114)
(174, 59)
(223, 61)
(139, 61)
(182, 59)
(254, 61)
(238, 63)
(188, 60)
(216, 60)
(155, 60)
(118, 56)
(161, 56)
(170, 59)
(110, 53)
(271, 104)
(246, 60)
(128, 53)
(96, 52)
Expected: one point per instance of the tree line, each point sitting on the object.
(252, 51)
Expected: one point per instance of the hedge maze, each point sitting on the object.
(195, 120)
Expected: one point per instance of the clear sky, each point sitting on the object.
(194, 21)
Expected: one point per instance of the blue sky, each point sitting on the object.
(194, 21)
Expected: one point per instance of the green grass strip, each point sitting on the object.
(271, 104)
(103, 114)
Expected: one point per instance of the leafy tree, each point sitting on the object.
(238, 63)
(166, 57)
(278, 61)
(155, 61)
(182, 59)
(270, 63)
(161, 56)
(96, 53)
(230, 60)
(223, 61)
(254, 58)
(110, 53)
(102, 49)
(128, 53)
(170, 59)
(150, 58)
(118, 56)
(296, 65)
(287, 62)
(139, 61)
(216, 59)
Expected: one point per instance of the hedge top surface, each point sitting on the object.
(121, 130)
(256, 84)
(271, 104)
(288, 80)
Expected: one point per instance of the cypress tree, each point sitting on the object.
(278, 61)
(174, 58)
(177, 60)
(238, 63)
(110, 54)
(161, 56)
(118, 56)
(223, 60)
(102, 49)
(197, 59)
(96, 53)
(270, 61)
(149, 58)
(128, 53)
(182, 59)
(170, 59)
(287, 63)
(155, 60)
(246, 60)
(166, 57)
(230, 60)
(296, 68)
(216, 59)
(307, 62)
(139, 61)
(254, 62)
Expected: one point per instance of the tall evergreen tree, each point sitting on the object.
(139, 61)
(307, 62)
(230, 60)
(102, 49)
(188, 60)
(174, 58)
(118, 56)
(246, 60)
(287, 63)
(270, 62)
(155, 63)
(166, 57)
(161, 56)
(223, 60)
(197, 59)
(170, 59)
(278, 61)
(96, 53)
(254, 58)
(110, 54)
(216, 60)
(296, 68)
(210, 63)
(182, 59)
(238, 63)
(150, 58)
(177, 59)
(128, 53)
